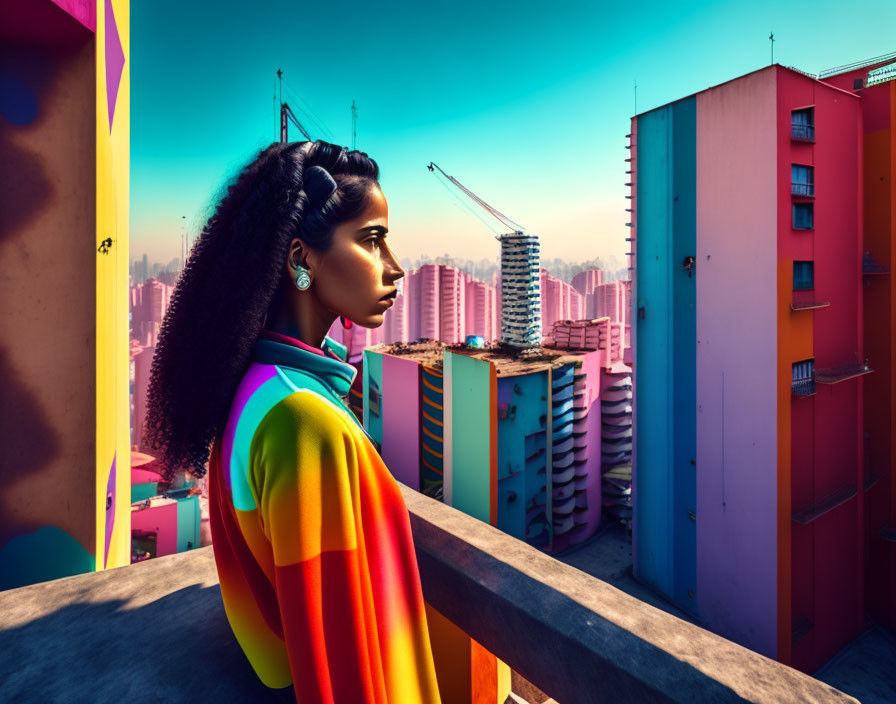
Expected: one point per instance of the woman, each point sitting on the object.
(310, 532)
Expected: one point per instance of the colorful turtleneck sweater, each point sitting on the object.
(312, 538)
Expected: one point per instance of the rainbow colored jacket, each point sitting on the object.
(312, 538)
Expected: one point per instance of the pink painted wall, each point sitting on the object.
(395, 322)
(595, 381)
(452, 317)
(737, 360)
(401, 419)
(162, 519)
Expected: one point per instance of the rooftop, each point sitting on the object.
(508, 361)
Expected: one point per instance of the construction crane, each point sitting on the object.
(520, 285)
(494, 212)
(287, 116)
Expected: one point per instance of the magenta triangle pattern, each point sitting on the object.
(114, 61)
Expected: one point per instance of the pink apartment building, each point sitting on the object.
(148, 304)
(559, 301)
(611, 300)
(481, 308)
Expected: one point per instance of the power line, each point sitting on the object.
(466, 206)
(312, 116)
(292, 117)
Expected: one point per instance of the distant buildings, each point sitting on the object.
(559, 301)
(437, 302)
(761, 462)
(148, 303)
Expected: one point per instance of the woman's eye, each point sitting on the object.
(374, 240)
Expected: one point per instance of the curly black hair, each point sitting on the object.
(234, 277)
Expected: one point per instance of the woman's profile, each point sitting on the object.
(310, 533)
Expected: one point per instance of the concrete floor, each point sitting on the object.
(864, 669)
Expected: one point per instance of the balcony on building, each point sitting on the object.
(803, 378)
(802, 125)
(804, 297)
(803, 387)
(806, 300)
(826, 504)
(802, 181)
(843, 372)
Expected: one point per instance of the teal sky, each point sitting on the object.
(526, 103)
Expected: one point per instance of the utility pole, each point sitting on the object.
(283, 117)
(772, 40)
(183, 241)
(280, 78)
(354, 124)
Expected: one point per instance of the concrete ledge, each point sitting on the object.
(156, 631)
(576, 637)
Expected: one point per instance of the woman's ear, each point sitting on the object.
(297, 254)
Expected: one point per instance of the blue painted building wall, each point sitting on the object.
(373, 383)
(665, 366)
(522, 457)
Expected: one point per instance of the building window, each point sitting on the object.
(803, 380)
(803, 216)
(804, 369)
(802, 124)
(802, 180)
(803, 275)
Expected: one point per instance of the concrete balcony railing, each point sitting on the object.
(156, 630)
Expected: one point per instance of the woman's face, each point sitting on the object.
(356, 276)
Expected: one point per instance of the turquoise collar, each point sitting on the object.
(329, 368)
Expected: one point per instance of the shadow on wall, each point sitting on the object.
(40, 46)
(179, 648)
(29, 445)
(28, 75)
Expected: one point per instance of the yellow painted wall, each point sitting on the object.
(112, 188)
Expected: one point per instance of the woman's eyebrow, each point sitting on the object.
(371, 228)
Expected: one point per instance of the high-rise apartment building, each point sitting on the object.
(559, 301)
(481, 308)
(750, 360)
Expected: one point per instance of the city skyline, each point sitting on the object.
(483, 111)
